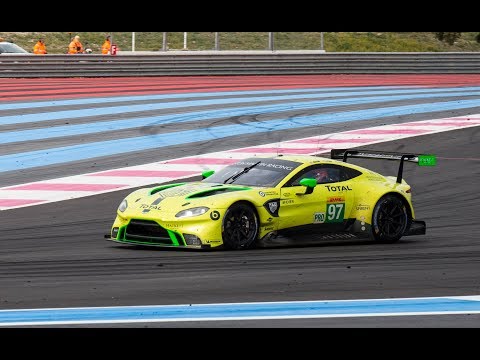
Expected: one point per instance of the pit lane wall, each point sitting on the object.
(235, 63)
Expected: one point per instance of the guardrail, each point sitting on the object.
(234, 63)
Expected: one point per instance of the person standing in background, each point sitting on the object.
(40, 48)
(106, 46)
(75, 46)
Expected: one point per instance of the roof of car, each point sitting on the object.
(307, 159)
(12, 46)
(316, 159)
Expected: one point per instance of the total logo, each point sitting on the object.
(338, 188)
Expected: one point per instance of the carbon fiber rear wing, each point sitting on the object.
(420, 159)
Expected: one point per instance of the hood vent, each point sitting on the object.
(214, 192)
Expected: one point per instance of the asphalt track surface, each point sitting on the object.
(54, 255)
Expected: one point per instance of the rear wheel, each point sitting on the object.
(240, 227)
(389, 219)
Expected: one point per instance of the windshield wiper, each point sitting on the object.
(244, 171)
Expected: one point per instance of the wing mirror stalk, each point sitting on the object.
(309, 183)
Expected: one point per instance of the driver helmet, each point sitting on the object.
(321, 175)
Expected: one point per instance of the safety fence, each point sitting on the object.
(234, 63)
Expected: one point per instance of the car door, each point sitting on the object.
(325, 209)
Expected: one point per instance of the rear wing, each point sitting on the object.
(420, 159)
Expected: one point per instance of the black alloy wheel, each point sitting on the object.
(239, 227)
(390, 219)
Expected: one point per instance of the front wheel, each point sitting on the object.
(239, 227)
(389, 220)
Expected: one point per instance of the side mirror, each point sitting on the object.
(309, 183)
(207, 173)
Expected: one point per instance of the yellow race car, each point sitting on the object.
(272, 201)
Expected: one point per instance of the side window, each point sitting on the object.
(325, 174)
(305, 173)
(322, 173)
(349, 173)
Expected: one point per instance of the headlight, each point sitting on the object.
(192, 212)
(123, 206)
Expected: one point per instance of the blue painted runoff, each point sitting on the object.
(34, 104)
(116, 110)
(115, 125)
(65, 154)
(244, 310)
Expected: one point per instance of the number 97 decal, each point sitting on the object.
(335, 212)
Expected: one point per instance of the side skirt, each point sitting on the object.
(315, 234)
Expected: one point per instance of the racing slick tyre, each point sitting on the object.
(239, 227)
(389, 219)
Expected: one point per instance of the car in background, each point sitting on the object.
(11, 48)
(274, 201)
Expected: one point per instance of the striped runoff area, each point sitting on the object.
(78, 147)
(71, 187)
(285, 310)
(51, 130)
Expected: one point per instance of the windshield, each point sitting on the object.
(237, 175)
(6, 47)
(267, 173)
